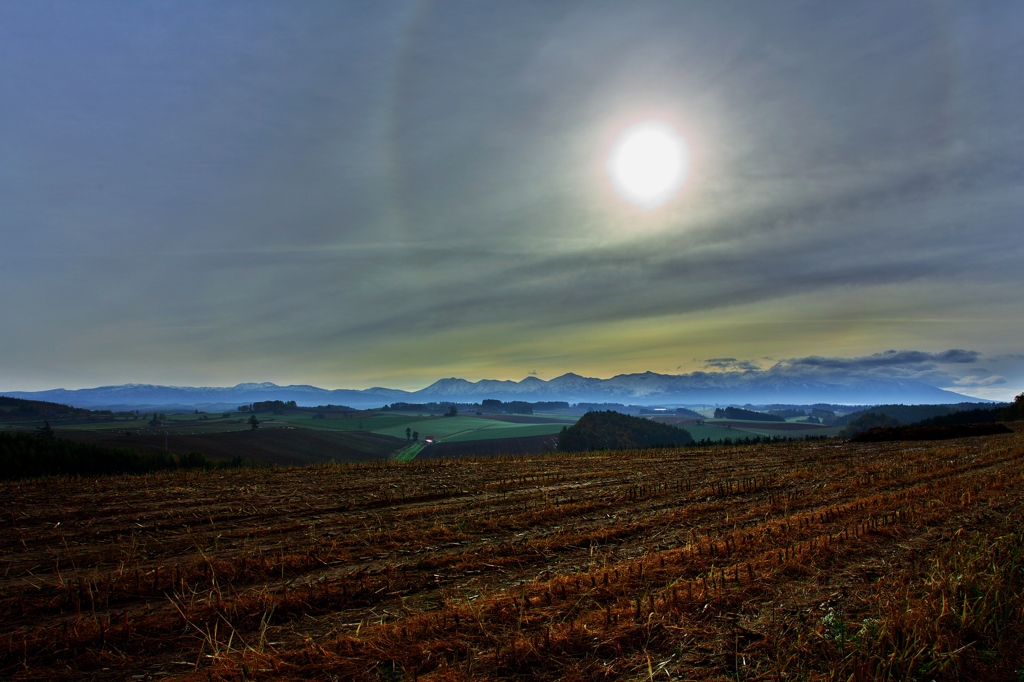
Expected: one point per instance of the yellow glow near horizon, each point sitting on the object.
(648, 163)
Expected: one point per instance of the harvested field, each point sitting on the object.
(527, 445)
(805, 560)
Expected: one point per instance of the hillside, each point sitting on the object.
(18, 409)
(279, 446)
(614, 431)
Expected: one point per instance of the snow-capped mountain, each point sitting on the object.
(647, 388)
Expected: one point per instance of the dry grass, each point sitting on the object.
(816, 560)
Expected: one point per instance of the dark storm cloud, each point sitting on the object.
(889, 358)
(944, 368)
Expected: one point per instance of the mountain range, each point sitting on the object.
(647, 388)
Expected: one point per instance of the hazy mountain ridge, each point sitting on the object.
(646, 388)
(649, 388)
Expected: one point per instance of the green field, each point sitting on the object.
(444, 429)
(297, 435)
(507, 431)
(409, 453)
(458, 429)
(440, 427)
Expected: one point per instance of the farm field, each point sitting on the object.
(785, 429)
(298, 439)
(720, 429)
(787, 561)
(526, 445)
(475, 428)
(503, 430)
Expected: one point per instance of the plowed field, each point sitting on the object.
(791, 561)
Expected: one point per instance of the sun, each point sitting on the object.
(648, 163)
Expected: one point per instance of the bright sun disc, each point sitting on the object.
(648, 163)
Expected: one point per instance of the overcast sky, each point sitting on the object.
(351, 194)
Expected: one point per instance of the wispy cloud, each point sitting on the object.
(342, 192)
(976, 381)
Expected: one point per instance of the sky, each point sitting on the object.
(356, 194)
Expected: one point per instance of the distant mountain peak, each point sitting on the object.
(642, 388)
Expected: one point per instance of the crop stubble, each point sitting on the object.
(695, 563)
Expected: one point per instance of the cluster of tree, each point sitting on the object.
(755, 440)
(982, 415)
(928, 416)
(898, 433)
(868, 420)
(410, 407)
(510, 407)
(683, 412)
(678, 412)
(610, 430)
(274, 406)
(788, 413)
(25, 455)
(1014, 411)
(446, 409)
(615, 407)
(550, 405)
(331, 408)
(19, 409)
(748, 415)
(908, 414)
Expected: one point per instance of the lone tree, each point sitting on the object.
(415, 436)
(45, 431)
(408, 433)
(254, 423)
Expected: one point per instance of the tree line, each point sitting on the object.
(28, 455)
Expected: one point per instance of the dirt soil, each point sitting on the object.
(690, 564)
